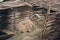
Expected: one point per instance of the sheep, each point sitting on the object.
(25, 26)
(29, 23)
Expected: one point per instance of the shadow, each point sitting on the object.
(4, 24)
(4, 19)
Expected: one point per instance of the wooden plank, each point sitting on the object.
(55, 5)
(50, 21)
(11, 4)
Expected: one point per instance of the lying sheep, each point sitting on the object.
(25, 26)
(28, 24)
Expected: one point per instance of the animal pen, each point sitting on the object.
(29, 20)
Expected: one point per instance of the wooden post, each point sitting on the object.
(45, 21)
(47, 15)
(48, 12)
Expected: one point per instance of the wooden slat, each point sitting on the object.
(7, 35)
(50, 21)
(49, 24)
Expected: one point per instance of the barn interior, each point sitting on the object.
(14, 12)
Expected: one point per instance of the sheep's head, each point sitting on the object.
(36, 17)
